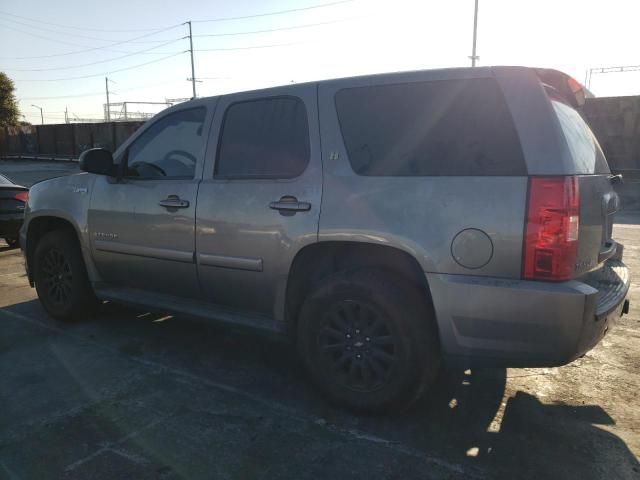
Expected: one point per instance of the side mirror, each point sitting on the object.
(97, 160)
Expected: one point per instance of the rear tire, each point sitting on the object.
(61, 278)
(369, 340)
(12, 242)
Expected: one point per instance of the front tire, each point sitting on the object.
(61, 277)
(369, 340)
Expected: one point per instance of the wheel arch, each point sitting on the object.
(318, 261)
(37, 228)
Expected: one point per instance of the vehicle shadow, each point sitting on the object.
(467, 422)
(516, 435)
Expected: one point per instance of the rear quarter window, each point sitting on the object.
(447, 127)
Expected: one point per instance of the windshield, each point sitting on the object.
(583, 145)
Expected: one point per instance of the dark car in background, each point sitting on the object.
(13, 199)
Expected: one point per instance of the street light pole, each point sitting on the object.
(474, 57)
(41, 114)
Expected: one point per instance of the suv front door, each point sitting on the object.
(142, 227)
(259, 202)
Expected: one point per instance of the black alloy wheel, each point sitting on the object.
(369, 340)
(58, 277)
(359, 345)
(61, 278)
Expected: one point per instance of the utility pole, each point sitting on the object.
(193, 73)
(108, 110)
(66, 115)
(473, 56)
(41, 114)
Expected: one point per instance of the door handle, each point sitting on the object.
(290, 204)
(173, 201)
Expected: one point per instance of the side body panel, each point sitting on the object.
(67, 198)
(245, 248)
(136, 242)
(419, 215)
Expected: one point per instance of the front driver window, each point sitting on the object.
(170, 148)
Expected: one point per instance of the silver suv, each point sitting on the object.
(384, 223)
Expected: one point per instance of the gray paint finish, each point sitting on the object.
(142, 251)
(419, 215)
(231, 251)
(234, 221)
(224, 261)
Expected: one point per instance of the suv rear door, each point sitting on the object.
(558, 142)
(598, 200)
(259, 200)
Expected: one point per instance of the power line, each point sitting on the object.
(220, 19)
(96, 62)
(294, 27)
(96, 94)
(75, 27)
(89, 49)
(63, 96)
(69, 34)
(133, 40)
(38, 36)
(268, 14)
(103, 73)
(58, 32)
(251, 47)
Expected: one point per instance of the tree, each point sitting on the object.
(9, 112)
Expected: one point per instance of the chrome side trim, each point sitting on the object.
(142, 251)
(224, 261)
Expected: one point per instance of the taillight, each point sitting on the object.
(577, 91)
(22, 196)
(553, 223)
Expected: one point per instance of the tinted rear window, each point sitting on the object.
(452, 127)
(584, 147)
(265, 138)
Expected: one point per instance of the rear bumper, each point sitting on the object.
(517, 323)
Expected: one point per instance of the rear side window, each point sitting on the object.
(266, 138)
(584, 147)
(4, 181)
(452, 127)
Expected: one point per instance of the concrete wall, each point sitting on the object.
(616, 123)
(67, 139)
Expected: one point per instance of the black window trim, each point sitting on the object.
(401, 83)
(124, 164)
(216, 176)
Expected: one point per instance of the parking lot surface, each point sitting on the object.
(133, 394)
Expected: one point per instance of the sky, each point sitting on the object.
(142, 46)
